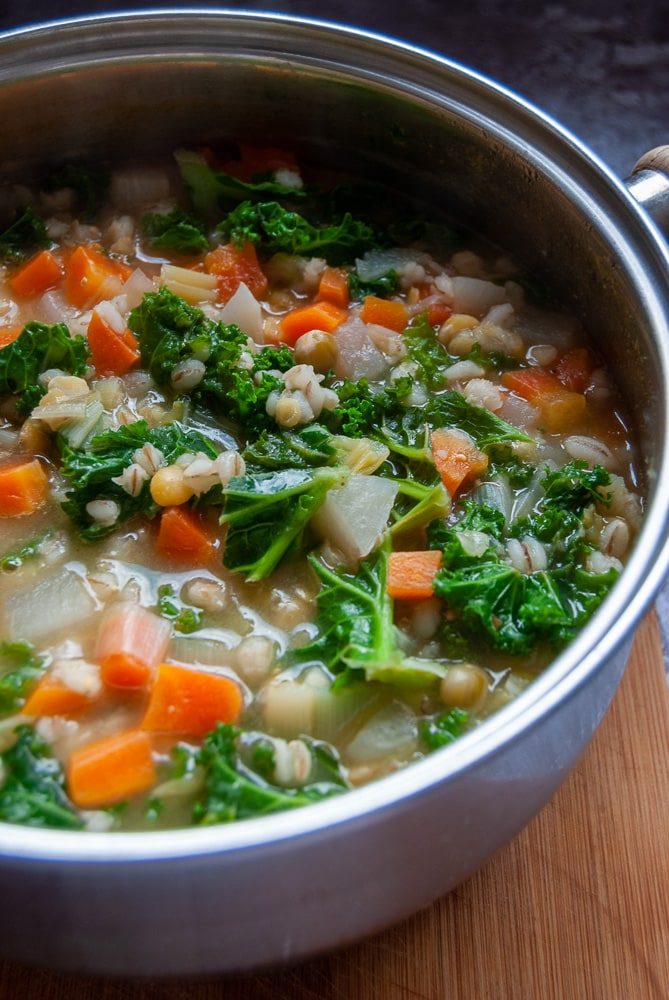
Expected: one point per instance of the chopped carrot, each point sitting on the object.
(560, 408)
(23, 487)
(384, 312)
(574, 369)
(316, 316)
(111, 769)
(190, 702)
(182, 535)
(333, 287)
(40, 273)
(233, 265)
(112, 352)
(8, 335)
(52, 697)
(91, 275)
(130, 643)
(411, 574)
(438, 312)
(456, 457)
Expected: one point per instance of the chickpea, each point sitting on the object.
(464, 686)
(168, 487)
(318, 349)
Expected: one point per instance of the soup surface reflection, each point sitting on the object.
(297, 486)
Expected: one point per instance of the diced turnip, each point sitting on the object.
(354, 516)
(358, 356)
(474, 296)
(53, 604)
(243, 309)
(392, 731)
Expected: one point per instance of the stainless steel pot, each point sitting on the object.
(262, 892)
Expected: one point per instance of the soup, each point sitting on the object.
(297, 485)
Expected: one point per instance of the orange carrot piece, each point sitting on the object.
(52, 697)
(23, 487)
(8, 334)
(560, 408)
(574, 369)
(411, 574)
(110, 770)
(384, 312)
(438, 312)
(233, 265)
(190, 702)
(457, 459)
(130, 643)
(112, 353)
(333, 287)
(90, 276)
(37, 275)
(316, 316)
(182, 535)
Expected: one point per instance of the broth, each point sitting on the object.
(297, 485)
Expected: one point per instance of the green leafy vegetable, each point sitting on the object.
(92, 469)
(267, 515)
(306, 448)
(357, 638)
(26, 234)
(440, 730)
(234, 791)
(33, 790)
(170, 331)
(275, 229)
(175, 230)
(36, 349)
(20, 669)
(184, 617)
(427, 352)
(212, 191)
(15, 560)
(382, 287)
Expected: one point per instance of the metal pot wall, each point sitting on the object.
(265, 891)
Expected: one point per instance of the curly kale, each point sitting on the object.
(36, 349)
(176, 230)
(33, 790)
(24, 236)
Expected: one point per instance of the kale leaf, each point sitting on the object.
(305, 448)
(20, 668)
(175, 230)
(267, 515)
(212, 191)
(170, 331)
(233, 790)
(33, 790)
(24, 236)
(440, 730)
(36, 349)
(275, 229)
(91, 470)
(357, 638)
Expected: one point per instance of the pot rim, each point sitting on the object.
(607, 631)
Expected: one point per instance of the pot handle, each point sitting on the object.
(649, 183)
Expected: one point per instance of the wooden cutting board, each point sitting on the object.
(575, 908)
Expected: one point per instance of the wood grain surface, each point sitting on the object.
(576, 907)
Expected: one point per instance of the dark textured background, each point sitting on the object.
(601, 67)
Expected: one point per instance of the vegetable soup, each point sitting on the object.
(297, 486)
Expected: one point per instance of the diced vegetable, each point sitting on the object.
(130, 643)
(233, 265)
(385, 312)
(53, 697)
(182, 536)
(106, 772)
(23, 487)
(317, 316)
(37, 275)
(411, 574)
(560, 408)
(91, 275)
(191, 702)
(456, 458)
(113, 352)
(333, 287)
(354, 516)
